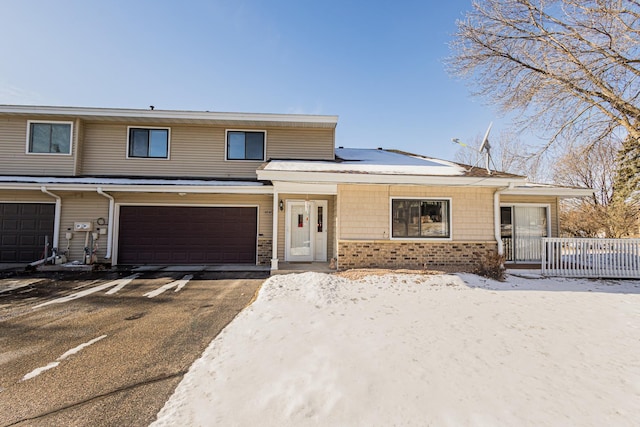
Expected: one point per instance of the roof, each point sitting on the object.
(361, 165)
(175, 116)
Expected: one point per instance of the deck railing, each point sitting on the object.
(576, 257)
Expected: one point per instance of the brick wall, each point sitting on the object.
(264, 251)
(463, 256)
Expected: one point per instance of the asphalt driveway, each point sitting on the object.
(106, 350)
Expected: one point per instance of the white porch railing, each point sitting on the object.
(576, 257)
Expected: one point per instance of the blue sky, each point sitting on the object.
(378, 65)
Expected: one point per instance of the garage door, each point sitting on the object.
(23, 227)
(187, 235)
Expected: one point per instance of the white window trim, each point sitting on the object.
(29, 122)
(168, 129)
(226, 145)
(426, 238)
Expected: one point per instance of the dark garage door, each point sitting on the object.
(23, 227)
(187, 235)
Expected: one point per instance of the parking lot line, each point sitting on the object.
(179, 284)
(119, 284)
(66, 354)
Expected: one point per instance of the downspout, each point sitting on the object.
(56, 220)
(274, 238)
(112, 203)
(496, 217)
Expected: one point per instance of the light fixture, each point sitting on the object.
(281, 205)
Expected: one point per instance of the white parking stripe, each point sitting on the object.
(123, 282)
(179, 284)
(66, 354)
(117, 283)
(13, 284)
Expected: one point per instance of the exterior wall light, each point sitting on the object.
(281, 205)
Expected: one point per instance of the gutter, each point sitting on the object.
(112, 202)
(56, 221)
(496, 216)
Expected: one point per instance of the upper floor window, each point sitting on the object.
(49, 137)
(416, 218)
(245, 145)
(149, 143)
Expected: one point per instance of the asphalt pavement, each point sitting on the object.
(107, 349)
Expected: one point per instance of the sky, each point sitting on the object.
(378, 65)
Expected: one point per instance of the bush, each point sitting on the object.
(492, 266)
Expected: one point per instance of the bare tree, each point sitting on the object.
(604, 214)
(570, 67)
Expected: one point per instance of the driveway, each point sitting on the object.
(106, 350)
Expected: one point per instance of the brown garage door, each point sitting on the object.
(23, 227)
(187, 235)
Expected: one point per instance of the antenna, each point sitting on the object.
(485, 148)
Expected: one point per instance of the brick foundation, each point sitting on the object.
(462, 256)
(264, 251)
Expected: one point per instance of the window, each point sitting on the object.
(243, 145)
(149, 143)
(49, 137)
(414, 218)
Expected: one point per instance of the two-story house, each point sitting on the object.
(126, 186)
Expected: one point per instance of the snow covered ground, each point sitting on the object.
(450, 350)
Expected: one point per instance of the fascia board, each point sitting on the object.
(168, 114)
(346, 178)
(304, 188)
(244, 189)
(550, 191)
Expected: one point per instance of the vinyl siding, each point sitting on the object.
(82, 206)
(13, 146)
(548, 200)
(17, 196)
(197, 151)
(364, 210)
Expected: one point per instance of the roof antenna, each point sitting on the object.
(485, 148)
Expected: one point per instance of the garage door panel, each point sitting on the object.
(187, 235)
(23, 228)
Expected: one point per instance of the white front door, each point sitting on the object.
(306, 231)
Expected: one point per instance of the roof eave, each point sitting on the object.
(329, 120)
(370, 178)
(562, 192)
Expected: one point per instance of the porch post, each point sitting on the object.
(274, 238)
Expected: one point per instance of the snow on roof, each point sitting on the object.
(374, 161)
(123, 181)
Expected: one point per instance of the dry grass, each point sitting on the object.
(359, 273)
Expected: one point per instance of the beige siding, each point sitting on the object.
(364, 210)
(197, 151)
(311, 144)
(331, 223)
(545, 200)
(17, 196)
(82, 206)
(14, 159)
